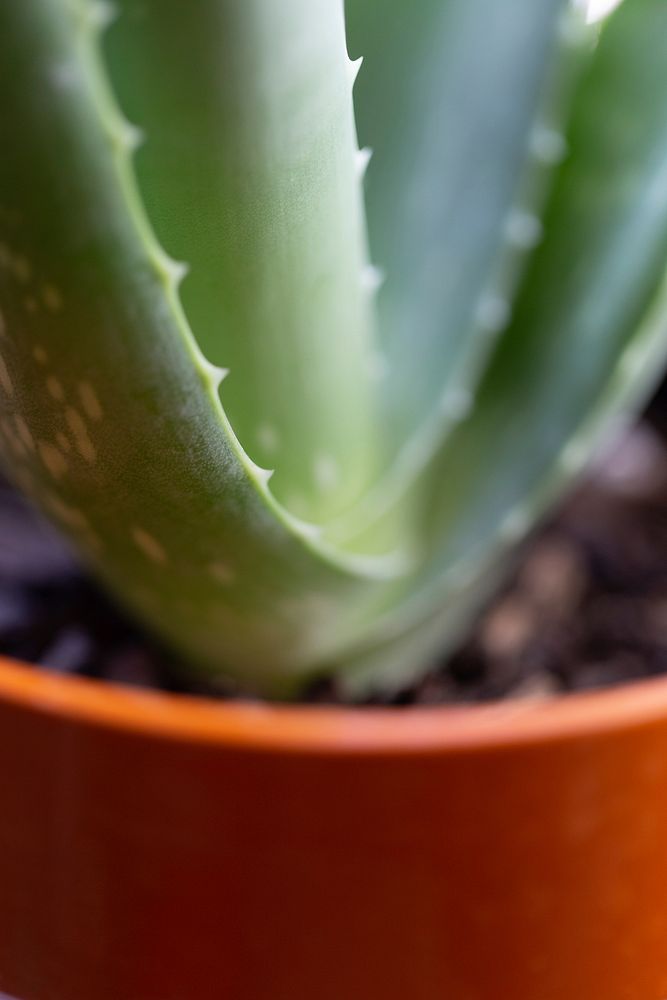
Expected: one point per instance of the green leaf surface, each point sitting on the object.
(163, 216)
(249, 173)
(462, 104)
(587, 342)
(111, 416)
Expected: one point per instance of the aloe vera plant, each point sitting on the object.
(296, 360)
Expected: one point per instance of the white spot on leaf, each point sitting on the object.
(222, 572)
(70, 516)
(632, 362)
(63, 441)
(23, 432)
(268, 437)
(130, 136)
(55, 389)
(89, 401)
(456, 403)
(523, 229)
(101, 13)
(548, 145)
(515, 524)
(65, 75)
(574, 456)
(492, 313)
(326, 473)
(12, 439)
(21, 268)
(53, 459)
(52, 298)
(149, 545)
(5, 380)
(82, 441)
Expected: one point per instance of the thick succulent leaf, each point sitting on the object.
(587, 342)
(461, 103)
(111, 417)
(249, 172)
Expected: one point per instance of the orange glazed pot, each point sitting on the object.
(155, 847)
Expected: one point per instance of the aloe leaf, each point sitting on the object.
(579, 321)
(249, 171)
(586, 344)
(111, 415)
(463, 105)
(164, 218)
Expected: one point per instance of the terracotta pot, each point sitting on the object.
(166, 848)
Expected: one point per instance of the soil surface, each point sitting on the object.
(586, 605)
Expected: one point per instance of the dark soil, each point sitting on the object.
(586, 607)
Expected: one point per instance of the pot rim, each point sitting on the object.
(329, 730)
